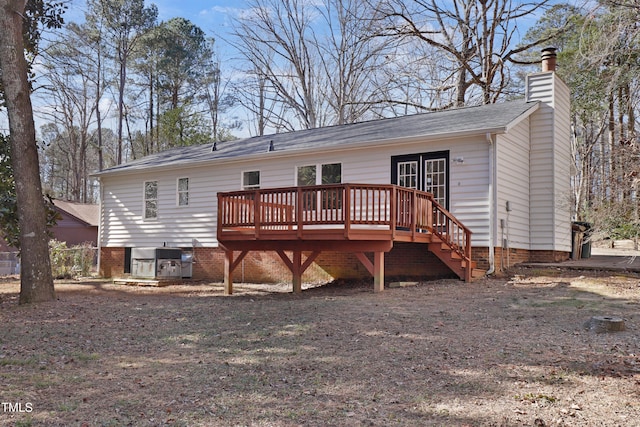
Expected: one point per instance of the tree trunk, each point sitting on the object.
(149, 145)
(98, 116)
(123, 79)
(611, 160)
(36, 282)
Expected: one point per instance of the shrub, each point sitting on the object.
(60, 261)
(71, 262)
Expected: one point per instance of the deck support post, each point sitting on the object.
(229, 265)
(228, 273)
(297, 274)
(297, 267)
(376, 269)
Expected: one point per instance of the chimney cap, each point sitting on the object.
(549, 59)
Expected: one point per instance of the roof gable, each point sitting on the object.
(89, 214)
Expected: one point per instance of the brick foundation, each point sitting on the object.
(508, 258)
(256, 267)
(549, 256)
(111, 262)
(404, 261)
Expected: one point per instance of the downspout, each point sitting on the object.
(492, 201)
(99, 239)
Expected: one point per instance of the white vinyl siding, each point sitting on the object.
(562, 153)
(123, 222)
(513, 187)
(122, 214)
(549, 164)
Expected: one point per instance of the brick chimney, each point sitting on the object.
(548, 59)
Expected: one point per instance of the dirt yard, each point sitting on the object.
(506, 351)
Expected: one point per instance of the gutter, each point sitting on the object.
(99, 239)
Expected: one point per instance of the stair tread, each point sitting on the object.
(453, 259)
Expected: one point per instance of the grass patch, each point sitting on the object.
(541, 399)
(339, 356)
(10, 361)
(67, 407)
(564, 302)
(85, 357)
(27, 422)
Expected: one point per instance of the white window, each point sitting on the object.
(330, 173)
(183, 192)
(150, 199)
(250, 180)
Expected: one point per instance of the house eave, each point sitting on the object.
(522, 117)
(303, 151)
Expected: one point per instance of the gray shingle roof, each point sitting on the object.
(480, 119)
(87, 213)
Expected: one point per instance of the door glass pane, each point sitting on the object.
(408, 174)
(435, 179)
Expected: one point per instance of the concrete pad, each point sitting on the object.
(402, 284)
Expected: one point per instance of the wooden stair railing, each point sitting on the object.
(451, 241)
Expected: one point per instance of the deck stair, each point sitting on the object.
(454, 260)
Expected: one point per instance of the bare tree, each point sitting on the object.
(125, 21)
(215, 94)
(73, 72)
(477, 36)
(254, 96)
(413, 80)
(312, 64)
(351, 60)
(36, 282)
(275, 39)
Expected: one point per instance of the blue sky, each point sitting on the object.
(212, 16)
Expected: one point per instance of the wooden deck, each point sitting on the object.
(355, 218)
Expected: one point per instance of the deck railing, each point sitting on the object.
(391, 209)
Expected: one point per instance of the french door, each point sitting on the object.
(423, 171)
